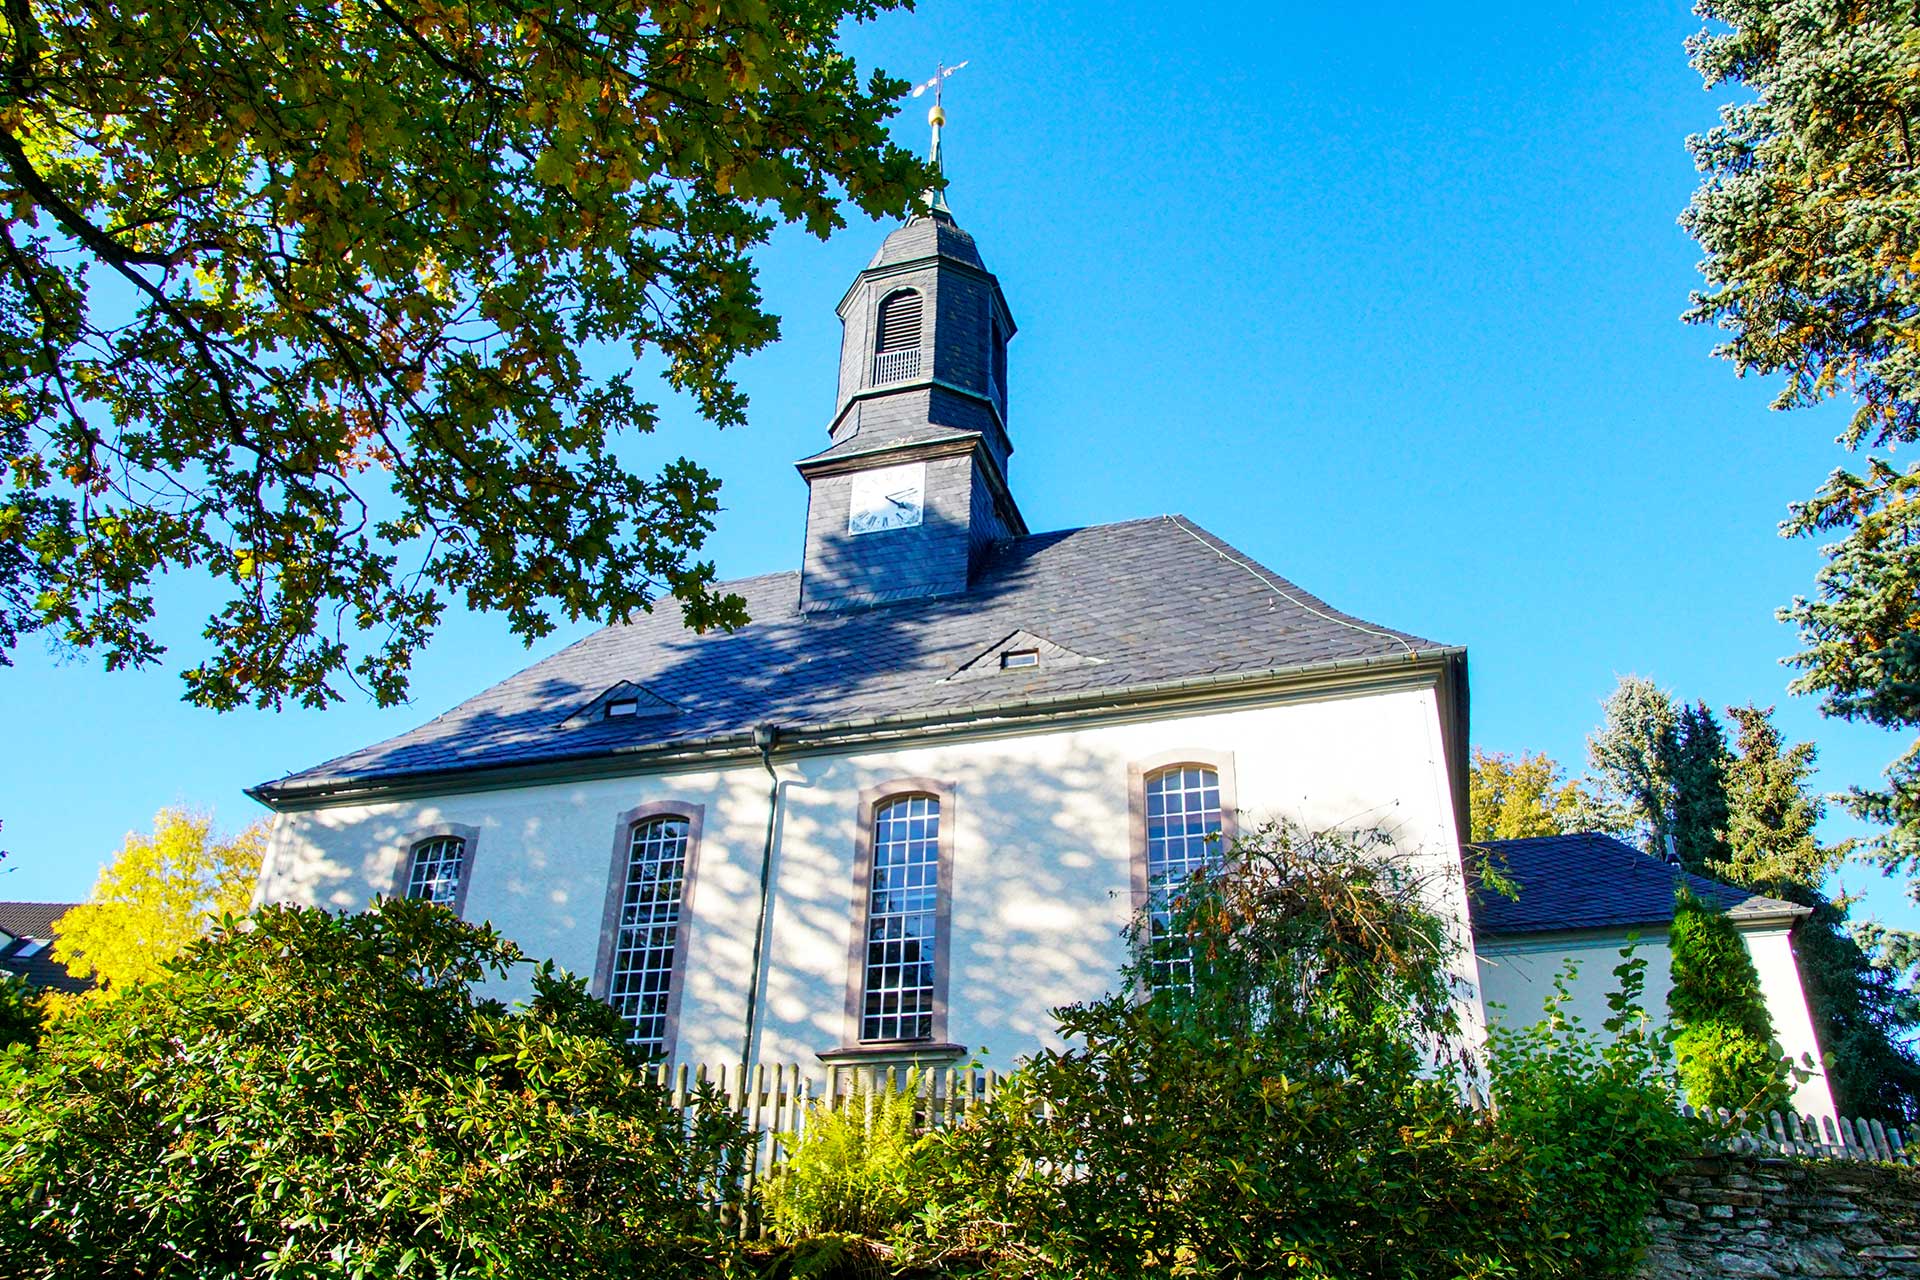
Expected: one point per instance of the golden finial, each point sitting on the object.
(935, 198)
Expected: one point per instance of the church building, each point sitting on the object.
(907, 810)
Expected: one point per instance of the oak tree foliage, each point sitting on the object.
(340, 307)
(1809, 215)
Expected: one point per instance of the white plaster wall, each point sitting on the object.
(1516, 977)
(1041, 859)
(1772, 952)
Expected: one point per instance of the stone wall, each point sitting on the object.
(1760, 1216)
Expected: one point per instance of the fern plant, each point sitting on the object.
(857, 1166)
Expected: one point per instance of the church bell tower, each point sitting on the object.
(911, 492)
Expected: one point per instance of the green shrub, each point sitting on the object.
(20, 1014)
(856, 1166)
(1726, 1054)
(304, 1094)
(1594, 1123)
(1723, 1067)
(1297, 1112)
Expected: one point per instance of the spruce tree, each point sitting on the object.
(1631, 754)
(1696, 765)
(1863, 1015)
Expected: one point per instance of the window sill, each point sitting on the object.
(871, 1062)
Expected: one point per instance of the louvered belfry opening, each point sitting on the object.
(897, 353)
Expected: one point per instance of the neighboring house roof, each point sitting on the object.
(26, 929)
(1148, 603)
(1591, 881)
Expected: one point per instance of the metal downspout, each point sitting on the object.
(764, 737)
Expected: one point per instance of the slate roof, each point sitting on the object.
(878, 439)
(1593, 881)
(29, 923)
(925, 237)
(1152, 602)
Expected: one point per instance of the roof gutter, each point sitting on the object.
(1339, 674)
(765, 737)
(1520, 939)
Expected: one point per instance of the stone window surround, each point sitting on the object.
(853, 1049)
(694, 815)
(410, 845)
(1138, 771)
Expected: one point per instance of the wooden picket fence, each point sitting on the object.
(1809, 1137)
(775, 1102)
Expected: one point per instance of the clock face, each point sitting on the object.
(888, 498)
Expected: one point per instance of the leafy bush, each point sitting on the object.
(1298, 1111)
(20, 1013)
(1282, 1115)
(303, 1094)
(856, 1167)
(1595, 1123)
(1726, 1054)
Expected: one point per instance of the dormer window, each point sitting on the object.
(896, 352)
(619, 707)
(1013, 658)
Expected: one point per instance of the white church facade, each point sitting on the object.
(907, 810)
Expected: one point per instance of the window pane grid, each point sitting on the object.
(1183, 837)
(435, 874)
(642, 976)
(902, 921)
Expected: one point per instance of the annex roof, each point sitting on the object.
(32, 919)
(1591, 881)
(1148, 602)
(28, 927)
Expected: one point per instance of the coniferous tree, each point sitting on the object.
(1747, 815)
(1696, 767)
(1631, 754)
(1725, 1052)
(1863, 1014)
(1809, 218)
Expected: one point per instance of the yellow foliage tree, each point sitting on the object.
(159, 893)
(1512, 799)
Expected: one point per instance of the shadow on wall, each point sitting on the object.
(1039, 888)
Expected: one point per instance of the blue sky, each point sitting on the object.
(1388, 297)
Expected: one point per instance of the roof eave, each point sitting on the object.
(1785, 915)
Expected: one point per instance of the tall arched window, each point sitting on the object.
(646, 944)
(1184, 835)
(898, 991)
(434, 867)
(896, 347)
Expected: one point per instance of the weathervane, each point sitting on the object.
(935, 198)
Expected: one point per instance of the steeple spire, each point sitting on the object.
(935, 198)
